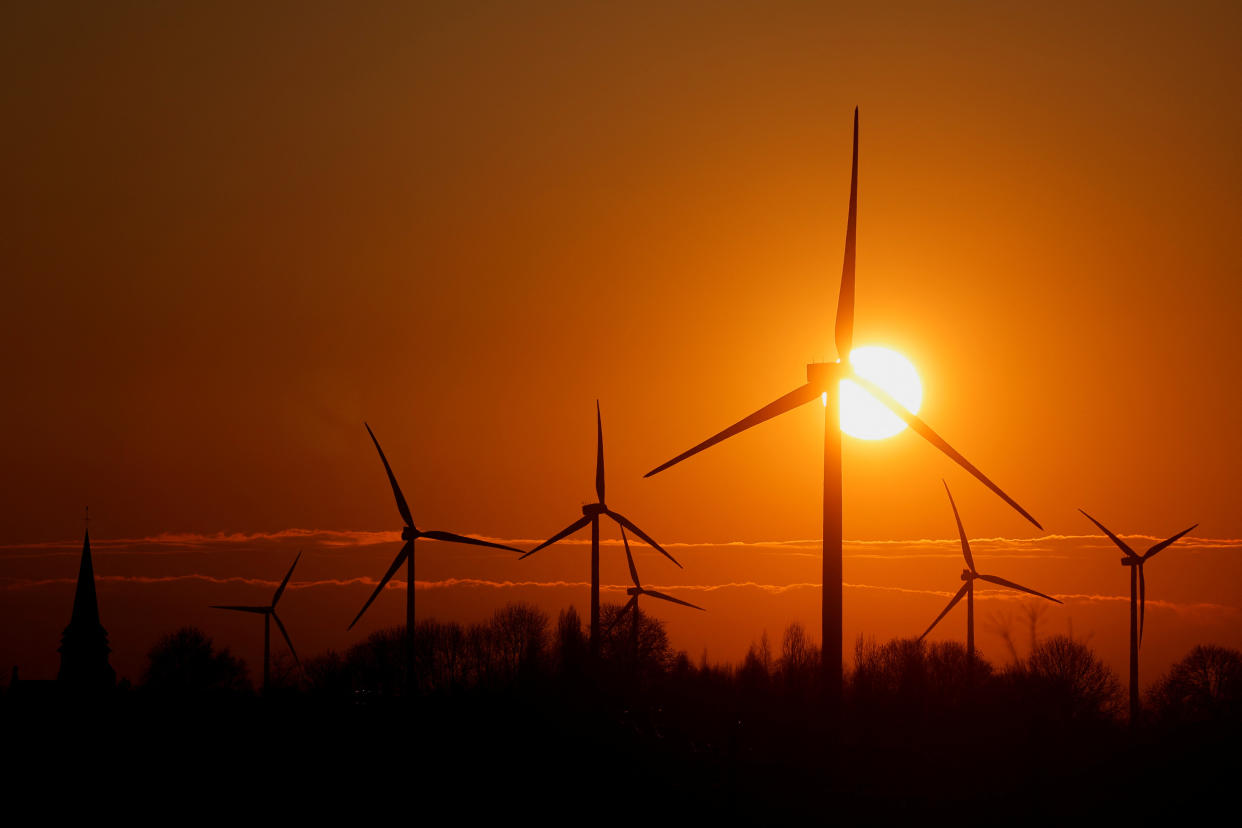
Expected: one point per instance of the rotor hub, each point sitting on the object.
(594, 509)
(821, 374)
(409, 533)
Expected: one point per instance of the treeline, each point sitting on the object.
(925, 731)
(1060, 681)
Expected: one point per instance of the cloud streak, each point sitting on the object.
(1051, 546)
(14, 584)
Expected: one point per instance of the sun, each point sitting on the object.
(862, 415)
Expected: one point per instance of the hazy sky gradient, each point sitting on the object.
(231, 234)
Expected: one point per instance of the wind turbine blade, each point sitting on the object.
(396, 490)
(961, 533)
(288, 640)
(664, 597)
(568, 530)
(961, 593)
(1165, 543)
(790, 401)
(1002, 582)
(936, 440)
(1125, 547)
(455, 538)
(599, 454)
(629, 558)
(626, 523)
(1142, 601)
(632, 604)
(845, 302)
(406, 551)
(280, 589)
(256, 610)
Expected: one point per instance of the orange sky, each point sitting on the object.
(231, 235)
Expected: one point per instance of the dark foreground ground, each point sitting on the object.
(556, 758)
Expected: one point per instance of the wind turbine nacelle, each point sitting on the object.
(822, 374)
(409, 533)
(633, 591)
(1128, 561)
(965, 574)
(593, 509)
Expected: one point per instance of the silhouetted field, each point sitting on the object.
(512, 718)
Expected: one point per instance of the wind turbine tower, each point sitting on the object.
(823, 379)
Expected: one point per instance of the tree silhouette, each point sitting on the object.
(1068, 681)
(571, 643)
(185, 663)
(517, 638)
(377, 664)
(798, 668)
(441, 656)
(1204, 686)
(755, 674)
(650, 655)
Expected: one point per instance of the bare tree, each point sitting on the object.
(649, 652)
(519, 637)
(1206, 685)
(799, 661)
(571, 644)
(186, 663)
(1069, 675)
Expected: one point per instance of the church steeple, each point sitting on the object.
(84, 645)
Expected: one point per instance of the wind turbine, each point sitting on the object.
(637, 590)
(409, 534)
(1138, 599)
(591, 514)
(269, 613)
(970, 574)
(824, 378)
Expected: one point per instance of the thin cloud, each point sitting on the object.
(14, 584)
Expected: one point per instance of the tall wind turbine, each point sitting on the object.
(591, 514)
(824, 379)
(637, 590)
(269, 612)
(409, 534)
(1138, 599)
(970, 574)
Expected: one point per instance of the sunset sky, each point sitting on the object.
(232, 234)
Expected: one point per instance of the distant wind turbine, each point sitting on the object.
(269, 613)
(637, 590)
(970, 574)
(1138, 598)
(591, 514)
(825, 379)
(409, 534)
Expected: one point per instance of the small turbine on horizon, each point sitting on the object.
(637, 589)
(269, 613)
(591, 514)
(970, 574)
(1138, 598)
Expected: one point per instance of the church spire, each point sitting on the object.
(85, 604)
(84, 645)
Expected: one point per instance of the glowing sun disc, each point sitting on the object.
(862, 415)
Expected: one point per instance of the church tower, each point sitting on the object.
(84, 645)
